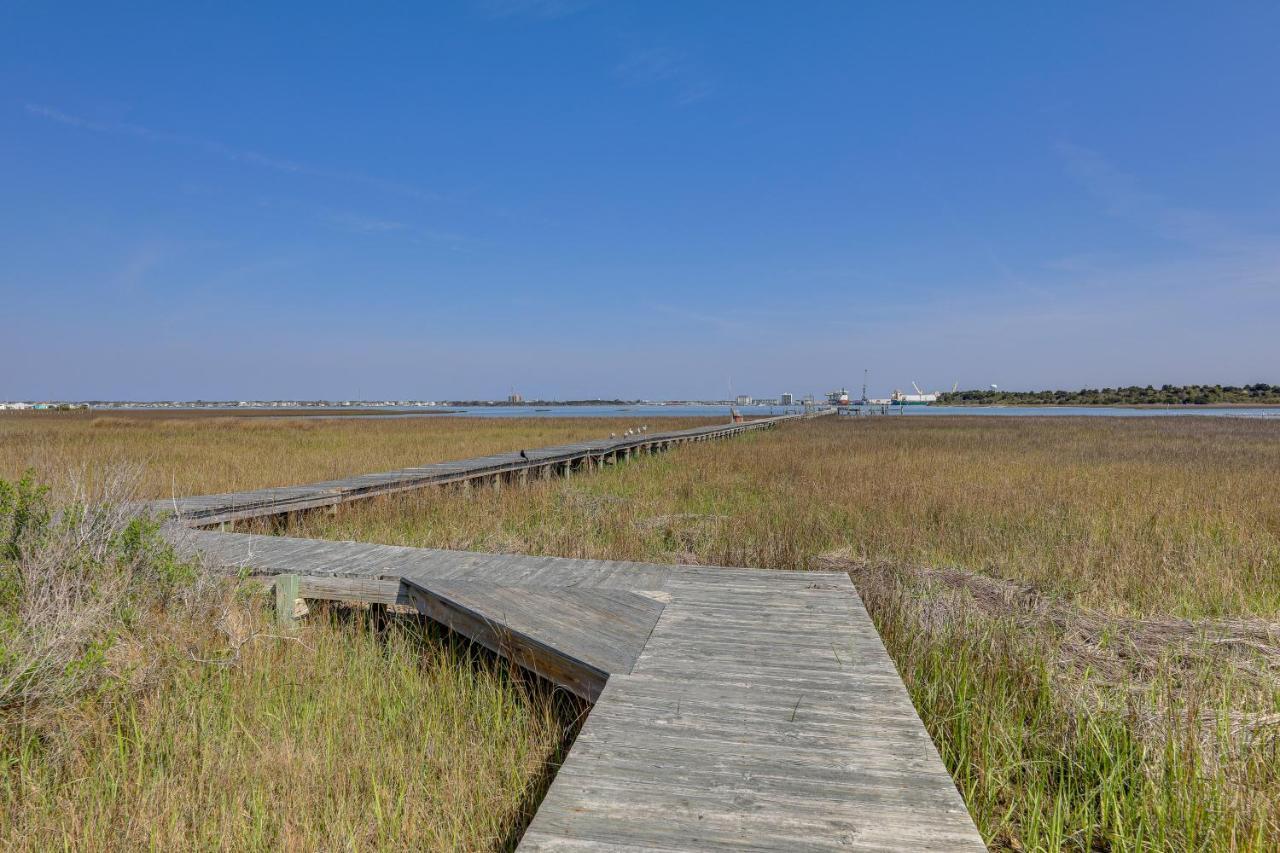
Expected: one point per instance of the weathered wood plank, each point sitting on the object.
(555, 665)
(370, 590)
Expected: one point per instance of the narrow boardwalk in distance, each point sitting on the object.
(497, 468)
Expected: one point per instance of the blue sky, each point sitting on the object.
(642, 200)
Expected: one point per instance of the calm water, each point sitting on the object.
(641, 412)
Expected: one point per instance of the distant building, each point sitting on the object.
(787, 400)
(744, 400)
(901, 399)
(513, 397)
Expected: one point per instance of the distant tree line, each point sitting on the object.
(1135, 395)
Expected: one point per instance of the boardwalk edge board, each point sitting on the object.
(734, 709)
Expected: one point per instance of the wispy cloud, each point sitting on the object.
(214, 148)
(1218, 258)
(139, 265)
(548, 9)
(660, 66)
(357, 223)
(1125, 198)
(363, 224)
(719, 322)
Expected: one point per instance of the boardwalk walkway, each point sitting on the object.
(735, 709)
(544, 461)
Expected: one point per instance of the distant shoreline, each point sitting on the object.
(302, 412)
(1030, 405)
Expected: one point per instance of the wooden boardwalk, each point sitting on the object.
(541, 462)
(735, 709)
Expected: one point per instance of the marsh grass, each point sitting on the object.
(130, 720)
(1070, 729)
(334, 738)
(195, 453)
(1086, 611)
(1176, 516)
(148, 702)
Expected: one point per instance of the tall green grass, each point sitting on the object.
(334, 738)
(146, 703)
(1061, 742)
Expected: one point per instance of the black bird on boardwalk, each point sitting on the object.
(524, 455)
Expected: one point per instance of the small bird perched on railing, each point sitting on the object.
(524, 455)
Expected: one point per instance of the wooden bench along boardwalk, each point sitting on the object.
(735, 709)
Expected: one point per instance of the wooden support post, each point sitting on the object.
(286, 597)
(378, 617)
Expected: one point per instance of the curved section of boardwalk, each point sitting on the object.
(735, 709)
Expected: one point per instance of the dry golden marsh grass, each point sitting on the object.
(191, 453)
(1086, 611)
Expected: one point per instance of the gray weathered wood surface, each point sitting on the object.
(736, 709)
(763, 714)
